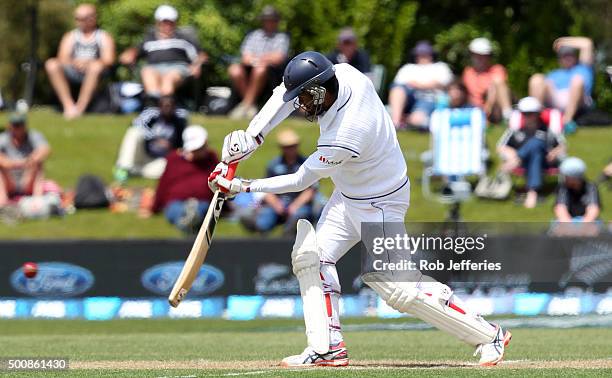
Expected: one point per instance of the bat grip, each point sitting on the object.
(231, 171)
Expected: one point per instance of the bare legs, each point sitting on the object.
(92, 74)
(576, 91)
(31, 182)
(541, 89)
(498, 97)
(159, 84)
(55, 72)
(249, 87)
(88, 86)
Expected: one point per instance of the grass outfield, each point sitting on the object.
(90, 145)
(197, 348)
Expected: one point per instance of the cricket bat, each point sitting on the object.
(201, 245)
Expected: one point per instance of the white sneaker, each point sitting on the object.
(251, 112)
(337, 356)
(238, 112)
(492, 353)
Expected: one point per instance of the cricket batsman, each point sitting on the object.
(358, 149)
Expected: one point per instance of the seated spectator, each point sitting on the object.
(577, 198)
(22, 154)
(348, 51)
(153, 134)
(171, 55)
(413, 93)
(263, 55)
(84, 54)
(287, 208)
(534, 146)
(569, 87)
(182, 192)
(606, 173)
(487, 82)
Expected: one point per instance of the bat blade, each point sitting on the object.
(200, 247)
(198, 252)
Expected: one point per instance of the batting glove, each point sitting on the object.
(238, 145)
(229, 187)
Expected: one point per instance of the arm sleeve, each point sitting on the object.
(37, 139)
(319, 165)
(273, 112)
(562, 196)
(246, 45)
(403, 75)
(593, 196)
(445, 74)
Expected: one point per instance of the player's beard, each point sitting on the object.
(312, 106)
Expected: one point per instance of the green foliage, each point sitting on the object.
(522, 31)
(54, 18)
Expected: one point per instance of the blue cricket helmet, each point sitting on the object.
(305, 70)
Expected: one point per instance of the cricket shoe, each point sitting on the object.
(337, 356)
(492, 353)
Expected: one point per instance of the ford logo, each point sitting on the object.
(160, 278)
(54, 279)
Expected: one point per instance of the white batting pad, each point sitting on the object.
(305, 260)
(432, 307)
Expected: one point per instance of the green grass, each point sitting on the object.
(236, 346)
(90, 144)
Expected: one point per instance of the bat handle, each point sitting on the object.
(231, 171)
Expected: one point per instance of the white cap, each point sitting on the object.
(166, 12)
(481, 46)
(194, 137)
(529, 105)
(572, 167)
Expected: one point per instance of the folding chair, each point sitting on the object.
(457, 151)
(553, 119)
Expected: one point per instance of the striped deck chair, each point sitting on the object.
(457, 145)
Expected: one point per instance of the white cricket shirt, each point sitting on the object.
(357, 149)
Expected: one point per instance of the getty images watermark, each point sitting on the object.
(408, 246)
(477, 255)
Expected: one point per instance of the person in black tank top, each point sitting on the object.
(85, 53)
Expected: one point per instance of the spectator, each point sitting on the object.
(569, 87)
(285, 208)
(84, 55)
(182, 192)
(348, 51)
(413, 93)
(171, 55)
(486, 82)
(154, 133)
(577, 198)
(606, 173)
(22, 154)
(263, 56)
(534, 147)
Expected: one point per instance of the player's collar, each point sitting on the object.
(344, 95)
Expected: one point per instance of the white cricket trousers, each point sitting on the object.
(134, 158)
(339, 229)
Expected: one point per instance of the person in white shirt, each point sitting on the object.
(415, 88)
(358, 149)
